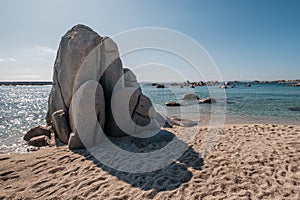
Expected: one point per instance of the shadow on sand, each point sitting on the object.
(168, 178)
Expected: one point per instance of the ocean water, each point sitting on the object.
(260, 103)
(23, 107)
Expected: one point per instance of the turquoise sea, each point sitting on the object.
(23, 107)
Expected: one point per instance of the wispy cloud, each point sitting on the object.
(12, 60)
(46, 49)
(8, 60)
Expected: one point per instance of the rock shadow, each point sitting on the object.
(167, 178)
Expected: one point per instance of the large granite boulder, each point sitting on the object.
(93, 94)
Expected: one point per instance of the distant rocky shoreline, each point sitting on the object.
(187, 83)
(225, 83)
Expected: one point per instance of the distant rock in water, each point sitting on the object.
(171, 103)
(297, 109)
(207, 100)
(190, 96)
(92, 91)
(296, 85)
(160, 86)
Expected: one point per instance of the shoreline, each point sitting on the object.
(248, 161)
(23, 147)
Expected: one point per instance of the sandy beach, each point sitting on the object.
(249, 161)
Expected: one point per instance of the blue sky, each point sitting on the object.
(248, 40)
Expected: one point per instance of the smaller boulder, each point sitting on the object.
(170, 103)
(190, 96)
(39, 141)
(37, 131)
(61, 125)
(207, 100)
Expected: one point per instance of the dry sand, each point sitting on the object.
(248, 162)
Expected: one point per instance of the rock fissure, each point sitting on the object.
(136, 105)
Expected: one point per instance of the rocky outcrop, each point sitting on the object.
(93, 94)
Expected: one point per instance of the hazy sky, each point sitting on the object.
(247, 39)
